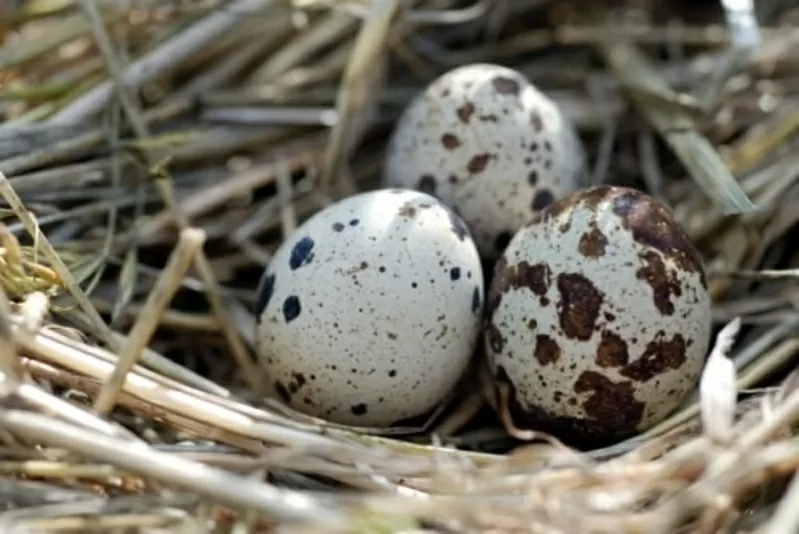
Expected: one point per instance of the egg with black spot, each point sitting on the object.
(488, 143)
(598, 317)
(369, 313)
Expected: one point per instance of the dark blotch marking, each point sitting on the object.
(653, 224)
(455, 273)
(358, 409)
(465, 112)
(392, 373)
(478, 163)
(532, 178)
(612, 351)
(476, 300)
(265, 295)
(407, 210)
(291, 308)
(610, 403)
(338, 227)
(505, 86)
(536, 121)
(450, 141)
(593, 243)
(537, 278)
(542, 199)
(427, 184)
(546, 350)
(282, 392)
(502, 240)
(302, 253)
(578, 309)
(299, 379)
(661, 355)
(585, 433)
(664, 284)
(354, 222)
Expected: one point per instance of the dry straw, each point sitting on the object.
(153, 152)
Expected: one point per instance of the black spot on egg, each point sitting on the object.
(302, 253)
(338, 227)
(358, 409)
(476, 300)
(455, 273)
(264, 295)
(542, 199)
(291, 308)
(282, 392)
(354, 222)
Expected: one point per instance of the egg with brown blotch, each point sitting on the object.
(489, 144)
(598, 317)
(368, 314)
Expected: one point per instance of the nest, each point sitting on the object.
(152, 156)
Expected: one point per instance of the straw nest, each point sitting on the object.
(153, 154)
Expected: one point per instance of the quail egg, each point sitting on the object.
(598, 316)
(488, 143)
(370, 312)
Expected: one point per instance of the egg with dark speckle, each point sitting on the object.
(598, 317)
(370, 312)
(489, 144)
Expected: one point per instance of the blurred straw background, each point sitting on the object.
(153, 154)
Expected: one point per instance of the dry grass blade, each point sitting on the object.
(717, 390)
(363, 74)
(235, 491)
(190, 242)
(158, 153)
(66, 278)
(667, 114)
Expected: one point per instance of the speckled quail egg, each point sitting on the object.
(598, 316)
(489, 144)
(370, 312)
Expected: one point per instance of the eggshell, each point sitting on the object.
(598, 316)
(488, 143)
(369, 314)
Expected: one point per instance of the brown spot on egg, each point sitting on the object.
(612, 403)
(537, 278)
(546, 350)
(593, 242)
(579, 305)
(652, 224)
(536, 121)
(478, 163)
(465, 112)
(450, 141)
(661, 355)
(612, 350)
(582, 433)
(427, 184)
(532, 177)
(505, 86)
(407, 210)
(664, 284)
